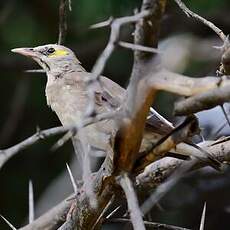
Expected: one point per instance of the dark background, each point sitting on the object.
(23, 106)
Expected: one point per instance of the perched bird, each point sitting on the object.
(66, 94)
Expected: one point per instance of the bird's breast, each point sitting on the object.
(68, 102)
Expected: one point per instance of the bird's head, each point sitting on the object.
(51, 57)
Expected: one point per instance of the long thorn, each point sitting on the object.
(9, 224)
(72, 179)
(31, 202)
(203, 217)
(112, 213)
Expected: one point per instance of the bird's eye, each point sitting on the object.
(51, 50)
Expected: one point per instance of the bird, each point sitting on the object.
(67, 95)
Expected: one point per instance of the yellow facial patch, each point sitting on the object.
(59, 53)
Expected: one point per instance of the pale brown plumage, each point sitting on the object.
(66, 93)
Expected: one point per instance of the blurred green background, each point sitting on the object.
(23, 105)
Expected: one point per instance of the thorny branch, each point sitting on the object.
(154, 174)
(218, 96)
(139, 94)
(211, 25)
(99, 66)
(96, 72)
(168, 81)
(203, 101)
(131, 124)
(6, 154)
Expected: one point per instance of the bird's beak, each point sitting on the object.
(28, 52)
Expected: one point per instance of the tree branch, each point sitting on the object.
(139, 94)
(153, 175)
(203, 101)
(211, 25)
(6, 154)
(63, 8)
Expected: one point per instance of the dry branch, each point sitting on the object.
(99, 66)
(139, 94)
(162, 80)
(203, 101)
(207, 92)
(154, 174)
(86, 215)
(184, 85)
(63, 8)
(160, 170)
(132, 201)
(134, 47)
(6, 154)
(189, 13)
(145, 81)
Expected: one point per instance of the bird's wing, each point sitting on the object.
(115, 95)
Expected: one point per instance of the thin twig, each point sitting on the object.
(132, 46)
(103, 58)
(64, 5)
(31, 202)
(70, 5)
(102, 24)
(114, 36)
(211, 25)
(6, 154)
